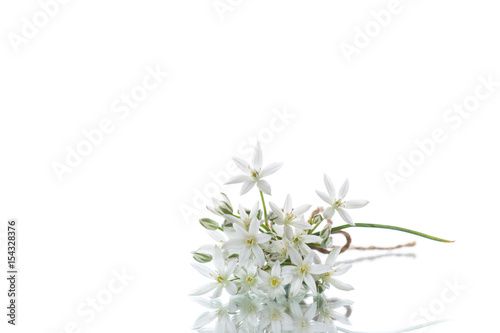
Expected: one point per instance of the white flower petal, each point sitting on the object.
(257, 157)
(244, 255)
(204, 289)
(247, 186)
(270, 169)
(332, 256)
(328, 213)
(345, 216)
(264, 186)
(355, 203)
(243, 212)
(301, 209)
(263, 238)
(218, 291)
(344, 189)
(296, 310)
(231, 266)
(276, 270)
(277, 211)
(259, 254)
(301, 225)
(294, 256)
(324, 197)
(311, 312)
(231, 288)
(254, 227)
(205, 319)
(312, 239)
(288, 232)
(295, 286)
(341, 285)
(219, 259)
(255, 210)
(288, 204)
(242, 165)
(319, 269)
(237, 179)
(234, 244)
(309, 280)
(204, 270)
(341, 269)
(330, 188)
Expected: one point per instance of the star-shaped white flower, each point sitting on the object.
(337, 203)
(219, 312)
(291, 217)
(274, 315)
(301, 239)
(244, 219)
(304, 323)
(254, 173)
(248, 242)
(327, 313)
(248, 278)
(301, 271)
(328, 278)
(220, 276)
(273, 283)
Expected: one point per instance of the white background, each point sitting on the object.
(120, 208)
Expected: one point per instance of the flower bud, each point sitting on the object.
(325, 233)
(221, 207)
(209, 224)
(317, 219)
(202, 257)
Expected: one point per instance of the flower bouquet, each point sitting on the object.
(268, 260)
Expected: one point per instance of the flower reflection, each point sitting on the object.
(254, 312)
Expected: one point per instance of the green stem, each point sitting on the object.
(382, 226)
(264, 205)
(312, 230)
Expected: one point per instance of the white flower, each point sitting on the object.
(327, 313)
(328, 277)
(248, 242)
(274, 283)
(337, 203)
(244, 219)
(290, 217)
(254, 173)
(248, 278)
(301, 239)
(274, 314)
(301, 271)
(220, 276)
(304, 323)
(221, 312)
(248, 311)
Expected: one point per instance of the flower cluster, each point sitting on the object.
(266, 261)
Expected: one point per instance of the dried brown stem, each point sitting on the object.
(360, 248)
